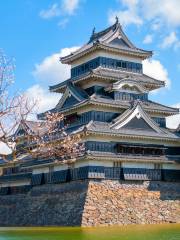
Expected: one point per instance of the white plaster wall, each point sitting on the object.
(122, 139)
(101, 163)
(138, 165)
(60, 167)
(101, 53)
(41, 170)
(171, 166)
(98, 108)
(93, 163)
(15, 184)
(96, 82)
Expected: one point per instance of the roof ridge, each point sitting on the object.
(162, 105)
(137, 111)
(95, 35)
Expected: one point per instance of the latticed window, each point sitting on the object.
(105, 62)
(157, 166)
(117, 164)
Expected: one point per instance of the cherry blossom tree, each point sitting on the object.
(13, 106)
(50, 140)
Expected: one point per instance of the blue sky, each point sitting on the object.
(36, 33)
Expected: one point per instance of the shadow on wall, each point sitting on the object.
(45, 205)
(168, 190)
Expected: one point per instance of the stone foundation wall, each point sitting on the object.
(46, 205)
(112, 202)
(91, 203)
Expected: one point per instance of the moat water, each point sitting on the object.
(133, 232)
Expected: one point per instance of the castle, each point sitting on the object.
(106, 97)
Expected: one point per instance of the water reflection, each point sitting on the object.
(133, 232)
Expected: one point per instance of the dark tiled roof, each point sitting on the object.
(102, 127)
(78, 92)
(147, 105)
(129, 156)
(178, 129)
(36, 126)
(113, 75)
(112, 38)
(120, 74)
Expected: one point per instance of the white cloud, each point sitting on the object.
(167, 11)
(126, 17)
(62, 23)
(70, 6)
(66, 7)
(4, 149)
(171, 40)
(148, 39)
(51, 70)
(52, 11)
(173, 121)
(178, 67)
(161, 12)
(155, 69)
(156, 24)
(44, 99)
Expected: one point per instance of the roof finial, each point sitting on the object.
(93, 31)
(117, 20)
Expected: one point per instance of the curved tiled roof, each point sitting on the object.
(148, 106)
(129, 157)
(113, 75)
(113, 39)
(104, 128)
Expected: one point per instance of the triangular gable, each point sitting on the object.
(67, 97)
(119, 42)
(136, 118)
(70, 100)
(138, 123)
(22, 129)
(119, 37)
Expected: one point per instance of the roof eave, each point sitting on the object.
(60, 88)
(167, 139)
(72, 57)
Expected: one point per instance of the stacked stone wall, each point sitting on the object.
(93, 203)
(113, 203)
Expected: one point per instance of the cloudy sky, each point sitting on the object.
(37, 33)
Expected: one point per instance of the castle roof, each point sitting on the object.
(98, 100)
(103, 128)
(31, 127)
(133, 123)
(129, 157)
(111, 75)
(112, 39)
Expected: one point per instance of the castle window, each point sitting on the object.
(116, 164)
(118, 64)
(157, 166)
(124, 64)
(105, 62)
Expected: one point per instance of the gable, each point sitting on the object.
(138, 123)
(136, 118)
(70, 100)
(21, 132)
(119, 42)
